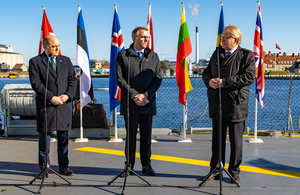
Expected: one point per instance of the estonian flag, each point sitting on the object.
(83, 61)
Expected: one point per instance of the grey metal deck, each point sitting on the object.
(18, 166)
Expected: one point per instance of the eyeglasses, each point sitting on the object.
(226, 38)
(144, 37)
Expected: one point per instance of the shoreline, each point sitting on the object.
(93, 76)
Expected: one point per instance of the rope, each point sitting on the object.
(194, 118)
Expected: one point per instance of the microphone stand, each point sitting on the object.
(47, 167)
(219, 169)
(127, 169)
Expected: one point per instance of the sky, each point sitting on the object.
(21, 22)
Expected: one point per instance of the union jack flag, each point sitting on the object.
(259, 59)
(117, 45)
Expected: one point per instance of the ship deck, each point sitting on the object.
(271, 167)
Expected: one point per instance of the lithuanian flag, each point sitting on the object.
(184, 49)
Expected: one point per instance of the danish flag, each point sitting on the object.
(277, 47)
(259, 62)
(150, 43)
(117, 45)
(46, 30)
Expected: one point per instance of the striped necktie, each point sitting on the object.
(227, 53)
(53, 64)
(139, 54)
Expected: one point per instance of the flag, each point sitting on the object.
(184, 49)
(259, 61)
(117, 45)
(150, 43)
(277, 47)
(46, 30)
(83, 61)
(221, 27)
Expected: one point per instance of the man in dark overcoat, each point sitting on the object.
(143, 68)
(58, 96)
(237, 72)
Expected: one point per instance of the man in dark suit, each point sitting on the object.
(237, 73)
(60, 91)
(145, 76)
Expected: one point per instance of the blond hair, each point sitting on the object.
(235, 33)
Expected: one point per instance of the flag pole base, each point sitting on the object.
(252, 140)
(153, 140)
(182, 140)
(115, 140)
(81, 140)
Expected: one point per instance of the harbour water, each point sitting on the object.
(170, 111)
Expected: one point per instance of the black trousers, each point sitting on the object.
(144, 121)
(62, 149)
(236, 131)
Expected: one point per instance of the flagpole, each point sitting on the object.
(255, 140)
(275, 58)
(184, 139)
(114, 128)
(150, 41)
(52, 139)
(81, 139)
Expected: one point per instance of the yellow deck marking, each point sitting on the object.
(291, 136)
(195, 162)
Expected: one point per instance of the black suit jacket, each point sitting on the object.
(63, 81)
(145, 77)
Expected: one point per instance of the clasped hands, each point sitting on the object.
(216, 83)
(140, 99)
(59, 100)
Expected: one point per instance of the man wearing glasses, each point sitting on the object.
(139, 74)
(237, 72)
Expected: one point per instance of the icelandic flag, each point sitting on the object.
(259, 61)
(83, 61)
(117, 45)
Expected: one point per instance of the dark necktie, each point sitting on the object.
(227, 53)
(53, 64)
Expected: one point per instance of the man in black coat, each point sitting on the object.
(143, 68)
(60, 91)
(237, 72)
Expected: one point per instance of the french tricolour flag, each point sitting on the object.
(259, 59)
(117, 45)
(83, 61)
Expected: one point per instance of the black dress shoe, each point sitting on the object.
(148, 169)
(209, 177)
(236, 178)
(65, 171)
